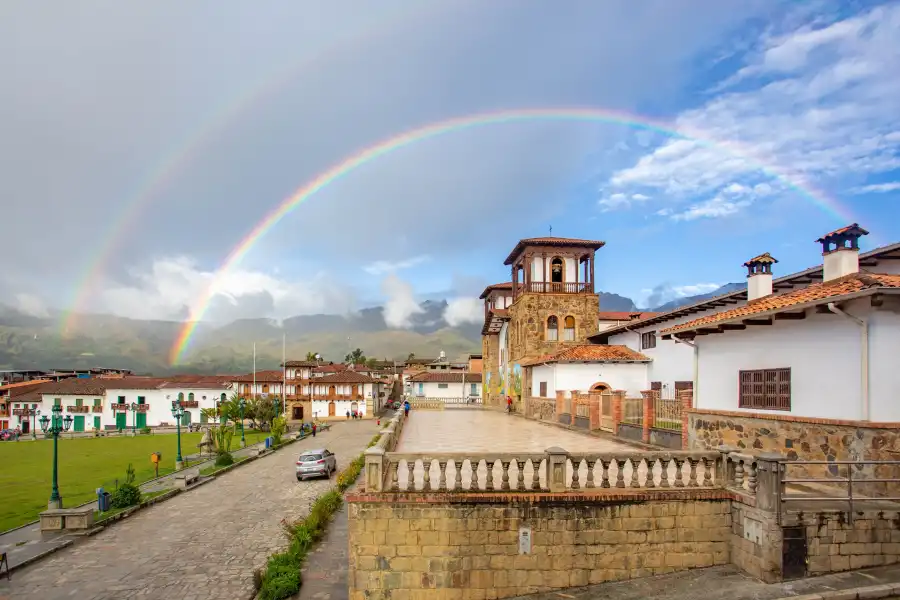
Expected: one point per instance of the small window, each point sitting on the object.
(543, 389)
(97, 401)
(765, 389)
(648, 340)
(181, 396)
(121, 399)
(143, 400)
(57, 402)
(552, 329)
(79, 402)
(265, 388)
(190, 397)
(569, 331)
(443, 386)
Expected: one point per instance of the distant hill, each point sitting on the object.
(143, 346)
(688, 300)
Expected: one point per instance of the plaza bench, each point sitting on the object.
(80, 518)
(185, 478)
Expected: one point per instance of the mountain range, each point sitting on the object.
(30, 342)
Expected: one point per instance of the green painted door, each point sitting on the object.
(121, 420)
(78, 425)
(96, 422)
(186, 419)
(141, 419)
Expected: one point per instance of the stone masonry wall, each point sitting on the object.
(490, 349)
(833, 544)
(802, 439)
(470, 550)
(531, 312)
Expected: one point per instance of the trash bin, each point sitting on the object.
(268, 443)
(103, 499)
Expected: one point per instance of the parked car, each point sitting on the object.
(316, 463)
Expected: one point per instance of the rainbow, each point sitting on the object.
(174, 161)
(439, 128)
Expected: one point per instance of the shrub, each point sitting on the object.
(224, 459)
(146, 430)
(127, 495)
(278, 426)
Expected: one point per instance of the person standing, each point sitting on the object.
(314, 429)
(509, 404)
(406, 408)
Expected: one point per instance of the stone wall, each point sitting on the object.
(756, 545)
(471, 549)
(802, 439)
(490, 349)
(530, 311)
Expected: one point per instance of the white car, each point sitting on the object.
(316, 463)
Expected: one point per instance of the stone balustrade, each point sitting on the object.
(422, 402)
(554, 470)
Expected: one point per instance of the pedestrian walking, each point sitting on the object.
(406, 408)
(314, 429)
(509, 404)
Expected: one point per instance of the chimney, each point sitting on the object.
(759, 276)
(840, 250)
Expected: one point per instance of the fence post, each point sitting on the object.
(768, 481)
(687, 400)
(618, 400)
(374, 469)
(649, 418)
(556, 468)
(560, 402)
(594, 417)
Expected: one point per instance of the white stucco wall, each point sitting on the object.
(581, 376)
(537, 269)
(454, 389)
(320, 407)
(823, 352)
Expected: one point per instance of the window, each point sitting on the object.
(143, 400)
(190, 397)
(767, 389)
(223, 397)
(265, 388)
(443, 386)
(97, 401)
(57, 402)
(181, 396)
(552, 329)
(543, 389)
(556, 270)
(656, 386)
(473, 389)
(121, 399)
(79, 401)
(569, 331)
(648, 340)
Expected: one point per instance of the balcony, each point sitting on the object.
(546, 287)
(190, 403)
(22, 412)
(357, 397)
(97, 408)
(78, 409)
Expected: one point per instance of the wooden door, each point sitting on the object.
(331, 407)
(331, 392)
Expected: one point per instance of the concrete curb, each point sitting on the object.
(37, 557)
(886, 590)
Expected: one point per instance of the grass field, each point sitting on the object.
(84, 465)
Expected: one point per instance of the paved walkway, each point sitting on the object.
(204, 544)
(721, 583)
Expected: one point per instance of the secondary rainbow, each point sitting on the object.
(439, 128)
(188, 147)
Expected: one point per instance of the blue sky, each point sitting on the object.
(805, 89)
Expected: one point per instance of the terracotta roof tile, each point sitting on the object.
(346, 376)
(506, 285)
(552, 241)
(852, 229)
(623, 315)
(817, 293)
(330, 368)
(261, 377)
(589, 353)
(293, 364)
(445, 377)
(764, 258)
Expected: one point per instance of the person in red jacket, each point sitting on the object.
(509, 404)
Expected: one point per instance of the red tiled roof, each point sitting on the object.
(764, 258)
(330, 368)
(506, 285)
(852, 229)
(346, 376)
(552, 241)
(21, 387)
(445, 377)
(817, 293)
(589, 353)
(261, 377)
(198, 384)
(293, 364)
(623, 315)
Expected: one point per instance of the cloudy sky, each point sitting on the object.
(142, 142)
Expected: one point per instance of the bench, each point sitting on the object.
(80, 518)
(185, 478)
(4, 562)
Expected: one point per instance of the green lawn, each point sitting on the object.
(84, 465)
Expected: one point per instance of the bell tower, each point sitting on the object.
(553, 298)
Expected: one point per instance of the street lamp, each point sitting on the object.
(34, 415)
(241, 404)
(54, 426)
(134, 408)
(178, 413)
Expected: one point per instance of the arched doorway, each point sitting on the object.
(600, 387)
(297, 413)
(354, 407)
(331, 408)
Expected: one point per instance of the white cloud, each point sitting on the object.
(31, 305)
(812, 102)
(878, 188)
(401, 304)
(666, 292)
(170, 287)
(380, 267)
(464, 310)
(711, 209)
(619, 200)
(694, 289)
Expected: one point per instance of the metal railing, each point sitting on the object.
(667, 413)
(845, 483)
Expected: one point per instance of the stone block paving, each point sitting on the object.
(480, 433)
(200, 545)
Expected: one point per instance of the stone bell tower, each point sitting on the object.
(553, 298)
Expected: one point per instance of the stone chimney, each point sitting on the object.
(840, 250)
(759, 276)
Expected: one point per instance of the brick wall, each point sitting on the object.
(470, 550)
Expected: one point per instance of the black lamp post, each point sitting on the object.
(134, 408)
(241, 404)
(178, 413)
(54, 426)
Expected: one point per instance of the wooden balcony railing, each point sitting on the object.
(77, 409)
(357, 397)
(190, 403)
(97, 408)
(546, 287)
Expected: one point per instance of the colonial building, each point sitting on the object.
(336, 394)
(445, 384)
(550, 303)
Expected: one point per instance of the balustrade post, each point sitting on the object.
(768, 480)
(556, 468)
(724, 467)
(374, 469)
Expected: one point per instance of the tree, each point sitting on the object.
(356, 357)
(311, 356)
(411, 356)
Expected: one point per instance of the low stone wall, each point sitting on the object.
(630, 432)
(803, 439)
(452, 546)
(665, 438)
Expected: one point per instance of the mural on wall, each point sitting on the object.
(486, 385)
(515, 382)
